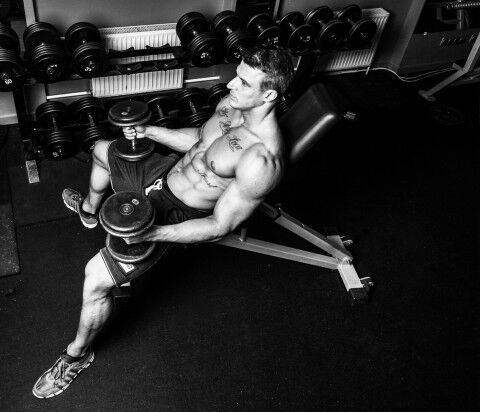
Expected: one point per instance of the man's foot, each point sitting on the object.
(74, 201)
(58, 377)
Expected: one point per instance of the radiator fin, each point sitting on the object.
(138, 37)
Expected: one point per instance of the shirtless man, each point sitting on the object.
(230, 164)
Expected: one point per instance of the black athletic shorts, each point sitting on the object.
(138, 177)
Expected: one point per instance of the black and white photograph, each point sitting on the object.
(239, 205)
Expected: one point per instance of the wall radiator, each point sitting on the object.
(122, 38)
(355, 59)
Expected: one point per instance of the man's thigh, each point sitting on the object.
(100, 153)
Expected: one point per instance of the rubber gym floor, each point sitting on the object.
(219, 329)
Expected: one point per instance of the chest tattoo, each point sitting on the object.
(233, 142)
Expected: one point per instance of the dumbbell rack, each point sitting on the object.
(30, 150)
(307, 64)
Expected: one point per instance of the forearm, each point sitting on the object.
(189, 232)
(180, 140)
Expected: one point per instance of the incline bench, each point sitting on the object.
(312, 116)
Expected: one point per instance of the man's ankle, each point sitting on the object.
(86, 207)
(73, 352)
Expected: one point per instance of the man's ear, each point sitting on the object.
(270, 95)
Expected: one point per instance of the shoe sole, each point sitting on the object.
(73, 378)
(85, 224)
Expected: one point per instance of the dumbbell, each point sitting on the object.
(295, 34)
(283, 106)
(194, 32)
(216, 93)
(160, 106)
(330, 32)
(230, 27)
(12, 71)
(360, 30)
(57, 143)
(85, 44)
(44, 52)
(90, 110)
(264, 29)
(194, 102)
(131, 113)
(127, 214)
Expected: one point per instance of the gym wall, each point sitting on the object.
(113, 13)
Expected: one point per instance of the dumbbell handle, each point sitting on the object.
(91, 121)
(259, 27)
(54, 122)
(292, 26)
(192, 106)
(133, 142)
(159, 109)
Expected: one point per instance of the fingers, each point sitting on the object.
(132, 132)
(133, 240)
(148, 235)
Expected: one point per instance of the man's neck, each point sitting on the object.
(256, 116)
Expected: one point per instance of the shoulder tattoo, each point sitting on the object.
(225, 126)
(224, 111)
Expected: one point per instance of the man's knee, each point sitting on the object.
(100, 153)
(98, 281)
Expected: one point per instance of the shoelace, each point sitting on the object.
(59, 370)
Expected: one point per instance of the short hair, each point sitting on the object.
(275, 62)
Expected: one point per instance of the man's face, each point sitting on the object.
(245, 90)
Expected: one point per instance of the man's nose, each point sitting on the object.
(231, 84)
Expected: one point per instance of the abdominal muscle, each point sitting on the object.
(194, 183)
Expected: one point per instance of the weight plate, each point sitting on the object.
(165, 122)
(92, 134)
(205, 50)
(226, 22)
(319, 16)
(270, 36)
(283, 106)
(332, 36)
(143, 149)
(12, 71)
(58, 144)
(259, 22)
(191, 98)
(88, 105)
(129, 113)
(48, 63)
(352, 12)
(191, 25)
(160, 105)
(45, 111)
(126, 212)
(235, 45)
(195, 120)
(294, 18)
(90, 60)
(80, 33)
(216, 93)
(128, 253)
(362, 33)
(40, 33)
(301, 40)
(9, 39)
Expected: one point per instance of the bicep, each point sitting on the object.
(233, 207)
